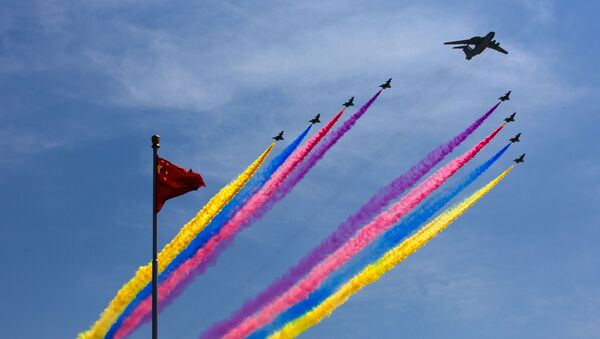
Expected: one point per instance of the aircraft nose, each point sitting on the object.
(491, 34)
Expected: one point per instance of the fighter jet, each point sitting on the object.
(520, 159)
(387, 84)
(479, 45)
(349, 102)
(511, 117)
(505, 96)
(278, 136)
(515, 138)
(315, 120)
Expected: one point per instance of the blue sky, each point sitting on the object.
(85, 84)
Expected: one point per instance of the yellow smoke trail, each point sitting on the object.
(392, 258)
(187, 233)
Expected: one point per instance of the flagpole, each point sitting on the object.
(155, 147)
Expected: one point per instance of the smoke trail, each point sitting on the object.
(348, 227)
(182, 276)
(291, 182)
(390, 239)
(364, 236)
(236, 204)
(393, 257)
(166, 255)
(257, 181)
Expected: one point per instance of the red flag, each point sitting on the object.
(173, 181)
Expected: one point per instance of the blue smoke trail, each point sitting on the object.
(389, 240)
(213, 228)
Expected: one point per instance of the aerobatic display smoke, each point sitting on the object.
(393, 257)
(314, 158)
(365, 236)
(184, 273)
(349, 226)
(144, 274)
(257, 181)
(390, 239)
(291, 182)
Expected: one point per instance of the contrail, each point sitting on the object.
(183, 274)
(257, 181)
(144, 274)
(392, 258)
(364, 237)
(385, 243)
(347, 229)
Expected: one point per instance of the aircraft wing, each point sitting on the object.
(461, 42)
(498, 48)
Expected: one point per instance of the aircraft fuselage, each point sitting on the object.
(482, 45)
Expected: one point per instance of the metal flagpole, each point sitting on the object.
(155, 147)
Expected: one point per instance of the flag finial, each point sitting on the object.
(156, 141)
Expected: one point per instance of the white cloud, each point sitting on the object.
(21, 143)
(542, 11)
(270, 50)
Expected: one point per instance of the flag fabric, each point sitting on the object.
(173, 181)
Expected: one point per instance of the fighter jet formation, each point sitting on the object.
(388, 84)
(511, 118)
(315, 120)
(479, 45)
(278, 137)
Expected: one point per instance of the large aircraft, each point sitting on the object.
(505, 96)
(511, 117)
(387, 84)
(515, 138)
(278, 136)
(349, 102)
(315, 120)
(479, 45)
(520, 159)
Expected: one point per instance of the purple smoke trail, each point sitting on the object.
(349, 227)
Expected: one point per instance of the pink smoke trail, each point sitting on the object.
(141, 313)
(365, 236)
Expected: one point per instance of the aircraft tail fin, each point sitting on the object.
(467, 51)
